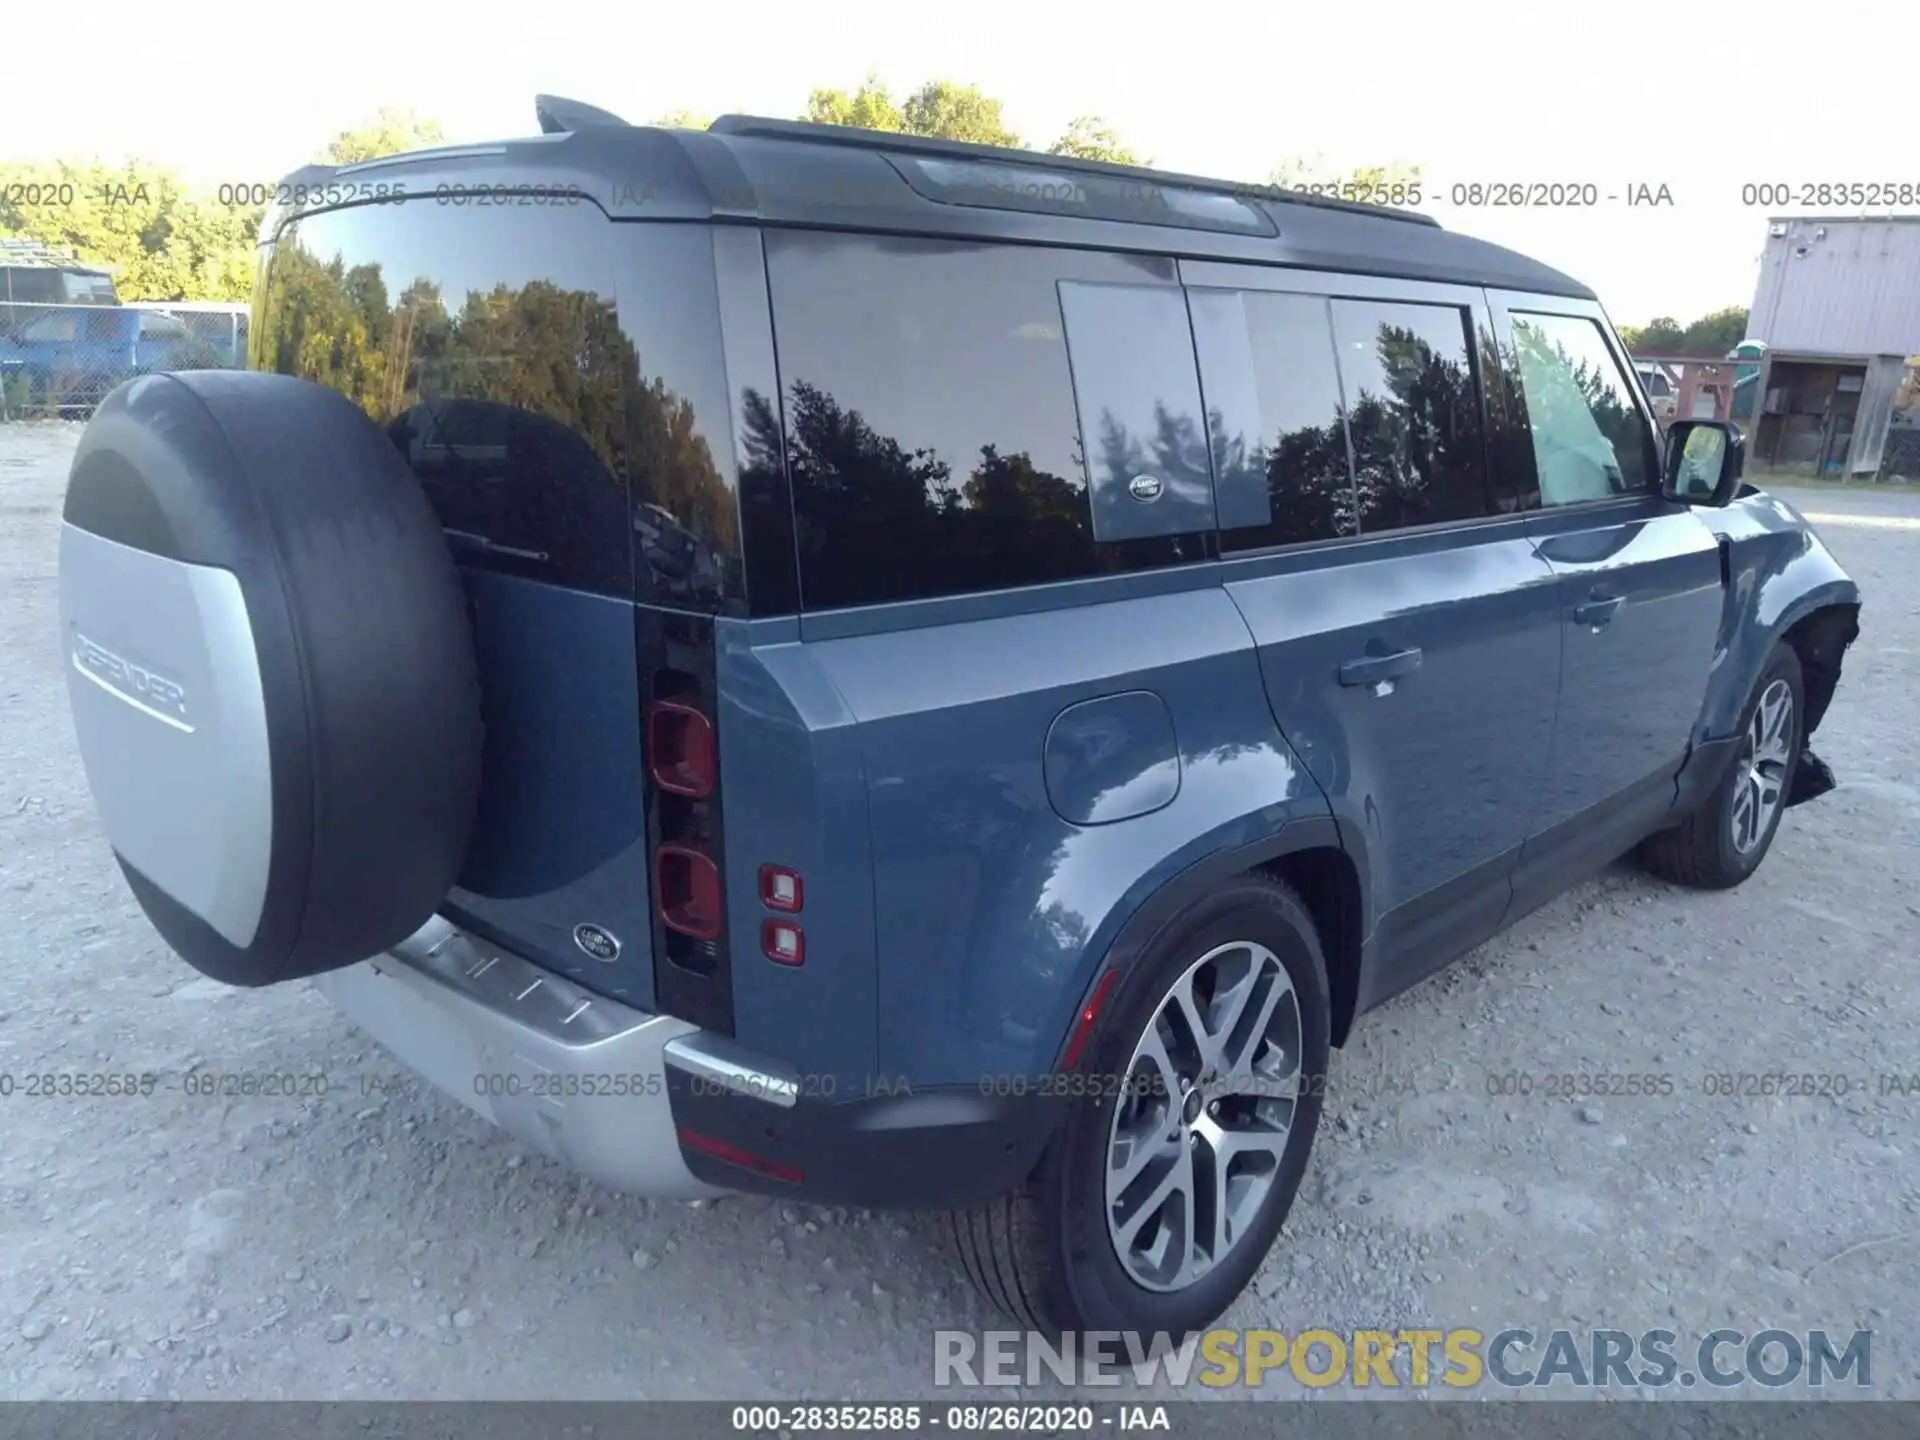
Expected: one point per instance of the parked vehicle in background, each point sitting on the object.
(30, 273)
(66, 358)
(1047, 768)
(1661, 386)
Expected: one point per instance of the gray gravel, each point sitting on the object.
(378, 1241)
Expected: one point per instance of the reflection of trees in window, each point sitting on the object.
(1176, 453)
(878, 521)
(540, 350)
(1416, 448)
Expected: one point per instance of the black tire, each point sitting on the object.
(1043, 1254)
(1700, 851)
(272, 672)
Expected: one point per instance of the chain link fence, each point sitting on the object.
(60, 361)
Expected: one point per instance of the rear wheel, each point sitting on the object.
(1170, 1180)
(1726, 838)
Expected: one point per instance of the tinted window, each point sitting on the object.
(1273, 417)
(1588, 439)
(487, 345)
(1139, 403)
(1413, 413)
(35, 286)
(930, 428)
(85, 289)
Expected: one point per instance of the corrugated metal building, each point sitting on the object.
(1838, 309)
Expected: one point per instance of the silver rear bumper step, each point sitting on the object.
(575, 1075)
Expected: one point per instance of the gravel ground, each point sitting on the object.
(382, 1242)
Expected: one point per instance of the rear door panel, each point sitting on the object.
(1414, 671)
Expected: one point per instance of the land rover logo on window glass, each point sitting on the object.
(598, 943)
(1144, 488)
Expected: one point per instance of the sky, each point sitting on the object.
(1702, 101)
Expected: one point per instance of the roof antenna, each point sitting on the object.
(559, 115)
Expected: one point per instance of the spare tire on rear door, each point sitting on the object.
(271, 671)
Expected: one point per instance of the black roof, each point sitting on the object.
(780, 172)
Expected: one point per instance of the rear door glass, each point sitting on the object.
(930, 420)
(1413, 413)
(486, 343)
(1273, 401)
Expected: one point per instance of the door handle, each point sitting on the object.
(1598, 611)
(1371, 669)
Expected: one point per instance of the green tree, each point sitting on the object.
(1091, 138)
(957, 112)
(952, 111)
(1713, 334)
(1716, 333)
(683, 119)
(1371, 183)
(1659, 336)
(871, 107)
(390, 132)
(941, 108)
(138, 221)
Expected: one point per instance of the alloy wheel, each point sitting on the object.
(1762, 775)
(1203, 1116)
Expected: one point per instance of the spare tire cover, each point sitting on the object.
(271, 671)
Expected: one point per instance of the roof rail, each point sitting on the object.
(760, 127)
(558, 115)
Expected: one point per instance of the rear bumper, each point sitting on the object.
(574, 1075)
(653, 1105)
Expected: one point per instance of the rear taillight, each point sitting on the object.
(684, 789)
(681, 752)
(687, 888)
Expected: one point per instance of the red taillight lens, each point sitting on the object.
(686, 887)
(782, 889)
(733, 1155)
(783, 941)
(681, 754)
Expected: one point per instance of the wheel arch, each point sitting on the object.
(1322, 856)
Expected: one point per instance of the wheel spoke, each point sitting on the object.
(1177, 1180)
(1189, 1169)
(1153, 1050)
(1139, 1149)
(1742, 813)
(1773, 724)
(1240, 1045)
(1198, 1035)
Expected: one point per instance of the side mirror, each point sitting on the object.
(1703, 463)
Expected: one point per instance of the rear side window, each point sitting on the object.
(1588, 439)
(931, 430)
(84, 288)
(34, 286)
(1413, 413)
(486, 344)
(1274, 417)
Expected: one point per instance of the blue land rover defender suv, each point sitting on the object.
(898, 673)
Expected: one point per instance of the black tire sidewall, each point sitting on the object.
(1094, 1291)
(1783, 664)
